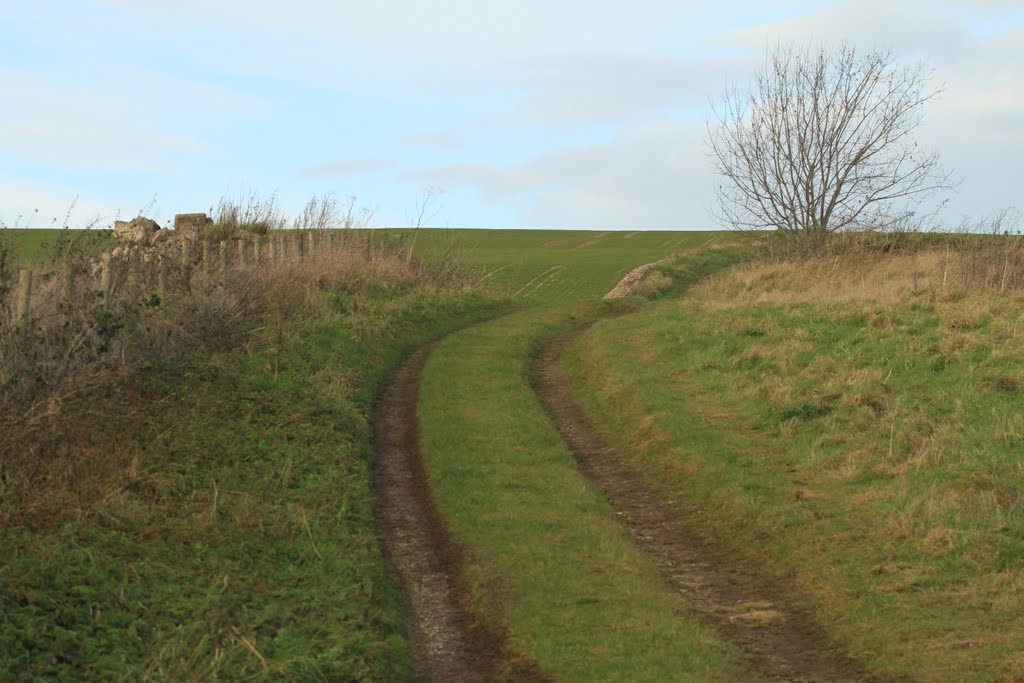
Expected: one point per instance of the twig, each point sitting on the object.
(309, 533)
(249, 646)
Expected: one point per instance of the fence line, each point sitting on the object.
(130, 272)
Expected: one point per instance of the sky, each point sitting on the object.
(527, 114)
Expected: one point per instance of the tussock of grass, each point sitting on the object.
(854, 431)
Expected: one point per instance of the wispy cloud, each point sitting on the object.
(430, 139)
(646, 178)
(347, 167)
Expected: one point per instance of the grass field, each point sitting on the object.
(536, 266)
(550, 266)
(851, 425)
(36, 247)
(857, 431)
(254, 459)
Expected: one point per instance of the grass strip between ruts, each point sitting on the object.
(545, 555)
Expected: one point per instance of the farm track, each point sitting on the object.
(781, 642)
(449, 642)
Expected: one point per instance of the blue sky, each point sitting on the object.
(523, 114)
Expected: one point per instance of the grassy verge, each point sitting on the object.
(207, 516)
(547, 558)
(855, 428)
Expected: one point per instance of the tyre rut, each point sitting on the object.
(781, 642)
(449, 641)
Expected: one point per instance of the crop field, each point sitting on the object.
(537, 266)
(833, 445)
(36, 246)
(548, 266)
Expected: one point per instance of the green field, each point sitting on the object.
(548, 559)
(550, 266)
(528, 265)
(206, 514)
(850, 426)
(39, 247)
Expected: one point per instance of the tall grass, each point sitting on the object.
(984, 257)
(985, 253)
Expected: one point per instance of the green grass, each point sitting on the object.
(546, 557)
(211, 519)
(866, 454)
(550, 266)
(37, 247)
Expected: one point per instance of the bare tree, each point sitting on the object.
(822, 141)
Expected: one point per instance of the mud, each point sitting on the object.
(449, 643)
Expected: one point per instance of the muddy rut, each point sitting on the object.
(781, 642)
(448, 642)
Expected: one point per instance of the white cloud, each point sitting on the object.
(133, 120)
(607, 88)
(51, 205)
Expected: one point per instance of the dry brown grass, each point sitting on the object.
(964, 269)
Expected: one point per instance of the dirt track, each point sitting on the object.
(782, 642)
(448, 643)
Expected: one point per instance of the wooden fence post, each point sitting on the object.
(24, 301)
(67, 282)
(256, 250)
(106, 275)
(242, 254)
(223, 261)
(161, 279)
(133, 273)
(272, 249)
(312, 245)
(206, 260)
